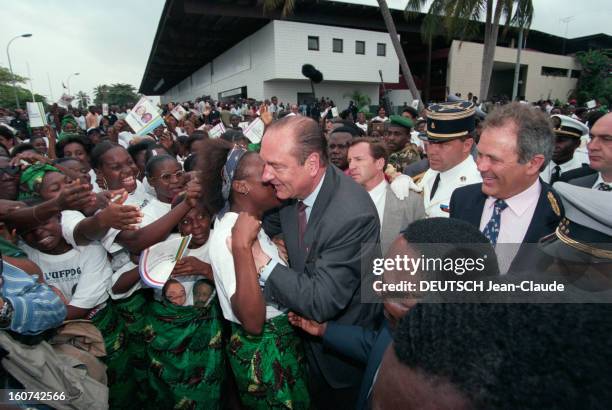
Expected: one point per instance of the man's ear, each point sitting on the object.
(313, 163)
(535, 164)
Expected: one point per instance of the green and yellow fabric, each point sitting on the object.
(187, 362)
(269, 368)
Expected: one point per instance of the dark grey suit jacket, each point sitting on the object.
(398, 214)
(324, 283)
(585, 181)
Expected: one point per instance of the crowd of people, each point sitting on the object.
(266, 307)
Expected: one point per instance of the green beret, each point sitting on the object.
(401, 121)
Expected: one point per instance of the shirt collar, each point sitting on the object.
(379, 189)
(522, 201)
(600, 180)
(310, 199)
(454, 172)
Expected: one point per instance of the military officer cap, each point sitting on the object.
(565, 126)
(585, 233)
(401, 121)
(450, 120)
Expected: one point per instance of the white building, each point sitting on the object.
(543, 75)
(269, 62)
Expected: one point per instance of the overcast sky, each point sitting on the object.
(110, 41)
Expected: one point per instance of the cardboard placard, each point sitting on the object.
(104, 109)
(144, 117)
(216, 131)
(178, 112)
(254, 132)
(36, 114)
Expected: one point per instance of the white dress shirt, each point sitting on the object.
(515, 219)
(379, 195)
(573, 163)
(600, 180)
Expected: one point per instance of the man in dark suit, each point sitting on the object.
(512, 204)
(330, 226)
(600, 157)
(368, 346)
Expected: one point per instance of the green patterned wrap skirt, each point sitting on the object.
(185, 349)
(269, 368)
(121, 382)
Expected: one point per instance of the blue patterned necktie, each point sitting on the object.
(491, 230)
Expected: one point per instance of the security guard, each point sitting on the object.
(568, 134)
(449, 144)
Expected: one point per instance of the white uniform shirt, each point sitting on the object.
(222, 263)
(82, 274)
(573, 163)
(464, 173)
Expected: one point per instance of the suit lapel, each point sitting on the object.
(391, 218)
(320, 205)
(544, 218)
(473, 212)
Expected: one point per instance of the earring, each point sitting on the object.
(105, 184)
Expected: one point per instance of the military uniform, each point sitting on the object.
(464, 173)
(567, 127)
(445, 122)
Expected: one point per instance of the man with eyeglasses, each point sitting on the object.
(448, 142)
(600, 156)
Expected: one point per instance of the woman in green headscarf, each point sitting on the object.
(70, 128)
(31, 180)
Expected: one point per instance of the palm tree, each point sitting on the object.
(83, 99)
(384, 9)
(461, 18)
(289, 5)
(100, 94)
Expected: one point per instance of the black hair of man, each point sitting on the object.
(354, 131)
(513, 356)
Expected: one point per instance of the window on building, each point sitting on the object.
(313, 43)
(381, 49)
(575, 74)
(554, 71)
(359, 47)
(337, 45)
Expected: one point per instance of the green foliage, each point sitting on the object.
(595, 80)
(7, 94)
(362, 101)
(115, 94)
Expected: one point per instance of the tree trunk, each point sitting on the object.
(490, 42)
(384, 9)
(428, 71)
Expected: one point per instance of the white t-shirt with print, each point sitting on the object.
(187, 281)
(222, 263)
(82, 274)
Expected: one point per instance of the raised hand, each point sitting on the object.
(191, 265)
(76, 195)
(309, 326)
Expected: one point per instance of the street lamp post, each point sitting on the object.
(68, 81)
(8, 56)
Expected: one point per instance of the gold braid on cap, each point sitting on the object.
(598, 253)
